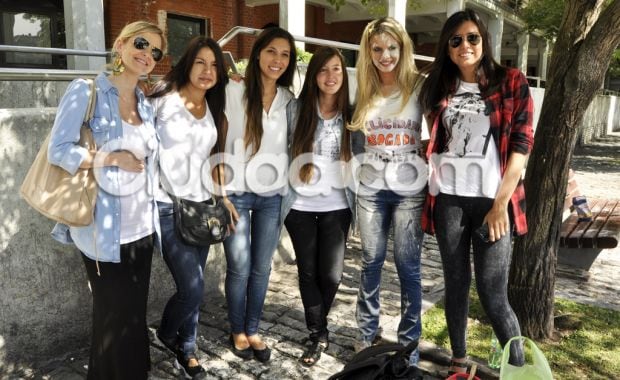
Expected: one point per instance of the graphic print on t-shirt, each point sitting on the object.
(328, 139)
(466, 124)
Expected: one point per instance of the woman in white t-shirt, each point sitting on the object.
(189, 109)
(317, 210)
(393, 176)
(256, 144)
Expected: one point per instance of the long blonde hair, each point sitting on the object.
(368, 81)
(138, 27)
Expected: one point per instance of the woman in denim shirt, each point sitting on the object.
(117, 248)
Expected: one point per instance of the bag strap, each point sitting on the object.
(92, 100)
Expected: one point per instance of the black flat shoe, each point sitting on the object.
(263, 355)
(194, 372)
(245, 354)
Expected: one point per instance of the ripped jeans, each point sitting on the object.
(375, 214)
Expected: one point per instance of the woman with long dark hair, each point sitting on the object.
(189, 105)
(481, 117)
(117, 247)
(256, 144)
(317, 209)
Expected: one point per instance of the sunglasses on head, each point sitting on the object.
(141, 43)
(472, 38)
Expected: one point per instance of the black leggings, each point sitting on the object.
(120, 342)
(456, 218)
(319, 241)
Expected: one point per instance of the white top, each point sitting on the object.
(466, 167)
(185, 146)
(136, 202)
(266, 171)
(393, 144)
(325, 191)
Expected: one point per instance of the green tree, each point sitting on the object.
(545, 16)
(588, 34)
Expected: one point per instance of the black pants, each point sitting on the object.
(456, 218)
(319, 240)
(120, 342)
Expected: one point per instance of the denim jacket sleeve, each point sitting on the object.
(63, 149)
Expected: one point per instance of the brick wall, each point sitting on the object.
(222, 16)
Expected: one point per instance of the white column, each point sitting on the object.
(523, 42)
(496, 32)
(453, 6)
(84, 31)
(543, 54)
(293, 18)
(398, 10)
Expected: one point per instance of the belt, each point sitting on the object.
(393, 157)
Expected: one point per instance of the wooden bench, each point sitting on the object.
(581, 242)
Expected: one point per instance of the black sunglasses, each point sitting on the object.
(472, 38)
(141, 43)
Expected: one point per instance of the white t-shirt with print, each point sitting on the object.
(393, 143)
(325, 191)
(185, 146)
(469, 166)
(266, 171)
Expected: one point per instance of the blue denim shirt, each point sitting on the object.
(64, 151)
(357, 146)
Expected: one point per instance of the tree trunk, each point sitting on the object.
(577, 68)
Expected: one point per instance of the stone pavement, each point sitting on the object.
(284, 329)
(283, 326)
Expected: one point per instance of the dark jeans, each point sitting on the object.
(455, 220)
(319, 241)
(179, 322)
(120, 343)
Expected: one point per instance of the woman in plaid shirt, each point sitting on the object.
(481, 117)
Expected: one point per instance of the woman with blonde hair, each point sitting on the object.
(392, 185)
(118, 246)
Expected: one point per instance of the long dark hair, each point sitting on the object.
(178, 77)
(443, 73)
(303, 138)
(254, 85)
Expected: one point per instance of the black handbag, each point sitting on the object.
(201, 223)
(382, 362)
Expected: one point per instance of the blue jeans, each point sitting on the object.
(179, 322)
(248, 259)
(376, 212)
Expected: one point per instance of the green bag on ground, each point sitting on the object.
(538, 369)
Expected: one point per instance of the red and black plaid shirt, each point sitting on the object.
(511, 118)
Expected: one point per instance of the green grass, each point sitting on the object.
(591, 351)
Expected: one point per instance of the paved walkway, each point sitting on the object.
(283, 324)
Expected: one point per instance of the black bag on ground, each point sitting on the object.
(382, 362)
(201, 223)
